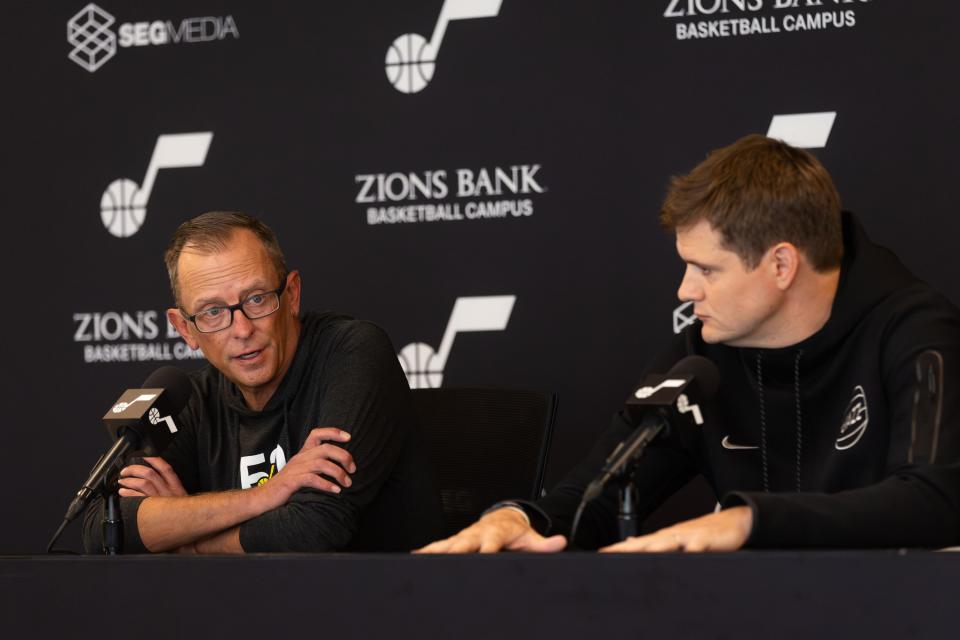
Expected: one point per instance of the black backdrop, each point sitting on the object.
(598, 102)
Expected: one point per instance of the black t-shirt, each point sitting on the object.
(344, 374)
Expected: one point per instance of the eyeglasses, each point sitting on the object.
(258, 305)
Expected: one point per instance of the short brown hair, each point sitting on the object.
(209, 232)
(757, 192)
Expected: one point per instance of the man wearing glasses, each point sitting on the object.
(299, 437)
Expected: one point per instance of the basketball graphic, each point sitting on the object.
(411, 59)
(424, 366)
(123, 206)
(417, 359)
(120, 214)
(410, 63)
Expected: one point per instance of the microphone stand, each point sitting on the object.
(621, 466)
(627, 524)
(112, 526)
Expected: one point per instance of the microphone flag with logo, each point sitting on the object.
(693, 376)
(148, 414)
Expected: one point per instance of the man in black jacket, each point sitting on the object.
(817, 334)
(300, 436)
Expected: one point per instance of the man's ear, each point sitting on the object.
(786, 262)
(182, 325)
(293, 291)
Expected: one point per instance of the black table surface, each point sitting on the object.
(771, 594)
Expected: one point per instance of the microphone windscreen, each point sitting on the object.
(705, 374)
(176, 386)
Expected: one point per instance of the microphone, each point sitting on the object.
(140, 419)
(649, 407)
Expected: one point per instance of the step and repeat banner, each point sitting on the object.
(479, 177)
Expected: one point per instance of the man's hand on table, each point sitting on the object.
(725, 530)
(505, 529)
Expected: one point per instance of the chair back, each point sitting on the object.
(486, 445)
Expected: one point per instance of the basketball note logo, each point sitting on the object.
(123, 207)
(803, 130)
(411, 59)
(424, 367)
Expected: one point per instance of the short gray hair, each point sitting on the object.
(209, 233)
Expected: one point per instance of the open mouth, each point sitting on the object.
(250, 355)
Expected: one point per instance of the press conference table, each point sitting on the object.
(771, 594)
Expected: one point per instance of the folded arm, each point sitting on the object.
(166, 518)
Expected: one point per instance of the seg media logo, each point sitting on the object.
(94, 43)
(439, 195)
(123, 206)
(412, 59)
(683, 317)
(424, 365)
(137, 336)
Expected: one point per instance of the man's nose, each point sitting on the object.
(689, 289)
(242, 326)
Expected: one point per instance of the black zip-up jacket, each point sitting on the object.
(816, 438)
(345, 374)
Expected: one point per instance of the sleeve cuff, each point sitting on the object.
(129, 507)
(741, 499)
(539, 520)
(251, 538)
